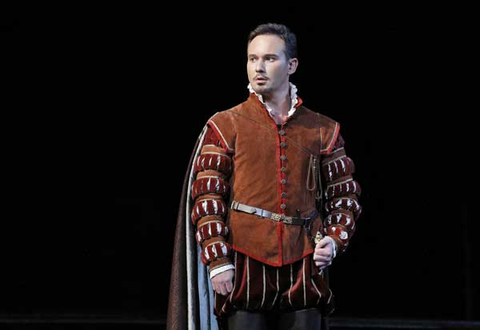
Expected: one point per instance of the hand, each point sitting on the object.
(323, 254)
(223, 282)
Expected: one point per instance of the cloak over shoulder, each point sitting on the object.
(191, 298)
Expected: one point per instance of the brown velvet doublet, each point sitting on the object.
(271, 166)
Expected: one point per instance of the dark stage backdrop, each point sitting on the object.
(141, 90)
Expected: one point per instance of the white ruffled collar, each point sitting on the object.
(293, 97)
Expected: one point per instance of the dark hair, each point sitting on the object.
(281, 31)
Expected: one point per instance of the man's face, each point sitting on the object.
(267, 66)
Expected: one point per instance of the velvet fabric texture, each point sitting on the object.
(270, 171)
(266, 166)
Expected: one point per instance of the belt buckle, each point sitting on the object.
(288, 220)
(276, 216)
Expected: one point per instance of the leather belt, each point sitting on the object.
(273, 216)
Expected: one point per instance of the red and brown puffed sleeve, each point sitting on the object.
(209, 191)
(342, 192)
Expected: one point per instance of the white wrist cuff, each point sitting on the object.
(221, 269)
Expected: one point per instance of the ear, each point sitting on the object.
(292, 65)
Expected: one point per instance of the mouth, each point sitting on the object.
(260, 79)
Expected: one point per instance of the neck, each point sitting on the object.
(280, 101)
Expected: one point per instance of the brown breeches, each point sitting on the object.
(260, 287)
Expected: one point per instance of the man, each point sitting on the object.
(271, 201)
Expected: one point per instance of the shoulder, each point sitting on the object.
(227, 118)
(328, 127)
(224, 118)
(229, 114)
(223, 123)
(321, 119)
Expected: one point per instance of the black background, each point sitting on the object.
(136, 86)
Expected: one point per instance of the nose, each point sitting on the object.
(260, 66)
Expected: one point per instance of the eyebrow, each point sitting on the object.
(276, 55)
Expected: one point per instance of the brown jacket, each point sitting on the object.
(243, 149)
(270, 171)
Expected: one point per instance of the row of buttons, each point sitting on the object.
(283, 158)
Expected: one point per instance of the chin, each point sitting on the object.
(260, 89)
